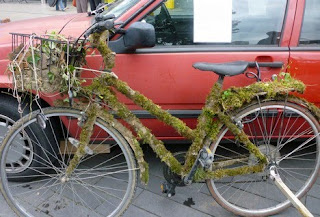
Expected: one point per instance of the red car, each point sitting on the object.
(281, 35)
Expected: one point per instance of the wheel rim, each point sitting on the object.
(255, 194)
(21, 157)
(87, 180)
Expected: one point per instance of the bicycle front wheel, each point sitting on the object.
(288, 135)
(102, 184)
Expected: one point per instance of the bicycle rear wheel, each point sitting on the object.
(102, 184)
(288, 135)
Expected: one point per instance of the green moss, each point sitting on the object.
(98, 40)
(148, 105)
(205, 124)
(202, 175)
(133, 142)
(85, 136)
(144, 175)
(236, 97)
(124, 113)
(300, 101)
(242, 137)
(214, 116)
(230, 99)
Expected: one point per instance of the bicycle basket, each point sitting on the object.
(45, 63)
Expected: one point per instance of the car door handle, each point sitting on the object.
(267, 64)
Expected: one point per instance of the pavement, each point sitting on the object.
(149, 201)
(19, 11)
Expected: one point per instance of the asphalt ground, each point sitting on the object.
(149, 201)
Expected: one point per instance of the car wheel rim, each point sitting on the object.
(20, 156)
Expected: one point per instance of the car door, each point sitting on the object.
(165, 74)
(305, 48)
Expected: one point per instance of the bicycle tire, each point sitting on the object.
(102, 184)
(282, 131)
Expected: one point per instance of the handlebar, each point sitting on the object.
(101, 17)
(102, 22)
(99, 27)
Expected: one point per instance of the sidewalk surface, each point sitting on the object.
(20, 11)
(149, 201)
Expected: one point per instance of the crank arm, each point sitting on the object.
(205, 159)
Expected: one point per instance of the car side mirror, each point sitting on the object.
(139, 35)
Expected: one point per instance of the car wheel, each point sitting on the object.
(23, 155)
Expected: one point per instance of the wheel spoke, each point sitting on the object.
(289, 137)
(101, 183)
(300, 146)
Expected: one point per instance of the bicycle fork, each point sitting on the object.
(87, 122)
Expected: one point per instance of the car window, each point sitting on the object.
(310, 32)
(253, 22)
(120, 6)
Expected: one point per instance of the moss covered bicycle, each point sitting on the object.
(87, 161)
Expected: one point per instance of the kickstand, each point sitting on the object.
(288, 193)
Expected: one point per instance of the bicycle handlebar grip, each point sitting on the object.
(99, 27)
(105, 25)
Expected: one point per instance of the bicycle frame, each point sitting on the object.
(211, 120)
(209, 124)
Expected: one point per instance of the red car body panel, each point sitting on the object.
(297, 23)
(305, 61)
(289, 22)
(166, 75)
(45, 25)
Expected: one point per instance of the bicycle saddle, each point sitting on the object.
(223, 69)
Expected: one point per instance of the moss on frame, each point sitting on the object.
(229, 100)
(101, 92)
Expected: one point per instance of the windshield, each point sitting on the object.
(120, 6)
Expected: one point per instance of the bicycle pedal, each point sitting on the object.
(168, 189)
(205, 157)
